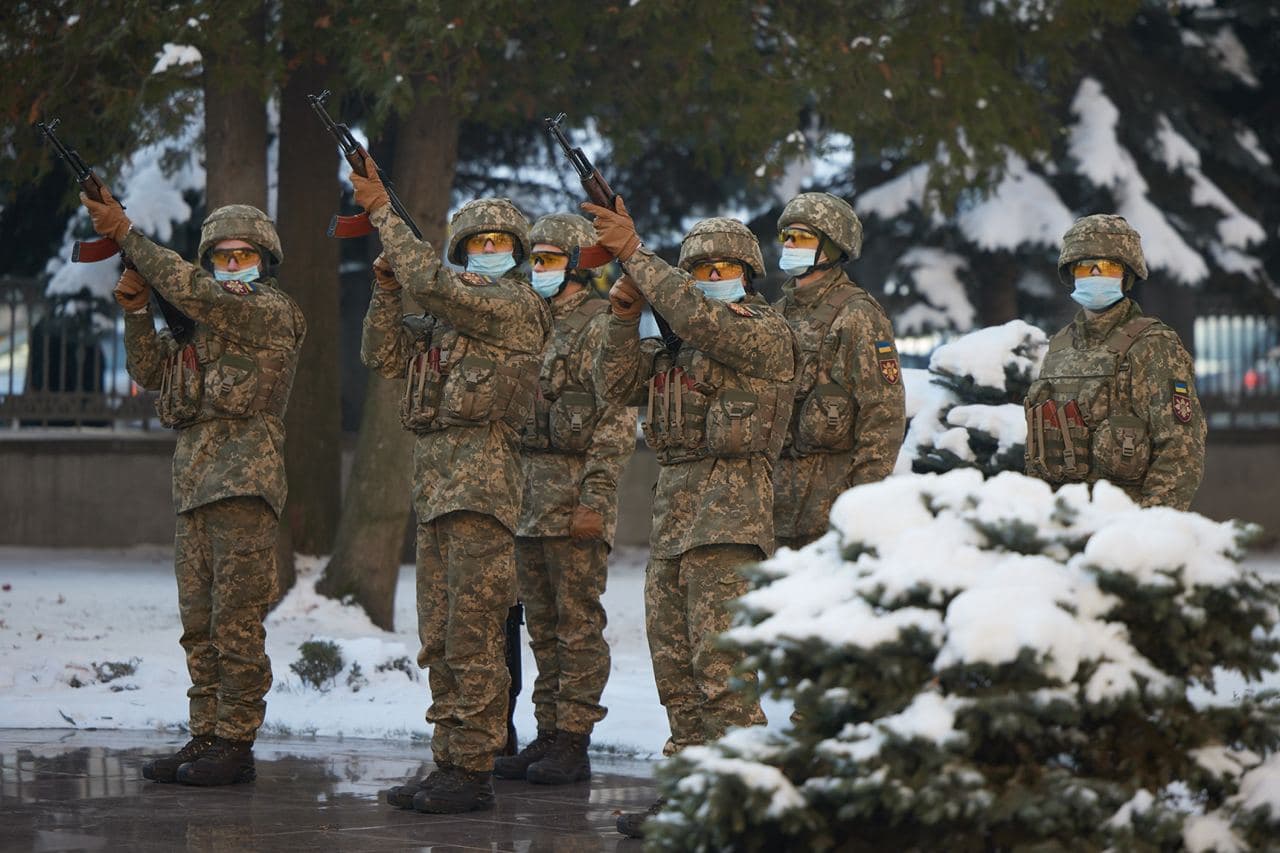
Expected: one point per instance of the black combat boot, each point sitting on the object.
(225, 763)
(565, 762)
(166, 769)
(632, 824)
(514, 766)
(401, 796)
(457, 790)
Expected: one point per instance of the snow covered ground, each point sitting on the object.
(64, 611)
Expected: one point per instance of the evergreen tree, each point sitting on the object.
(983, 664)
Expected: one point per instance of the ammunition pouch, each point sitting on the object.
(1122, 449)
(824, 421)
(420, 404)
(682, 423)
(571, 419)
(181, 389)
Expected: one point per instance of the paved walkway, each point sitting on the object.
(83, 790)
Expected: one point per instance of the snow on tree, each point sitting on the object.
(966, 410)
(986, 664)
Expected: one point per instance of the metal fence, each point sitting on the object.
(1238, 370)
(62, 362)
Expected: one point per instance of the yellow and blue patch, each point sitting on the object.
(1182, 409)
(884, 348)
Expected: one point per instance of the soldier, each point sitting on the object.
(574, 449)
(470, 368)
(225, 393)
(850, 413)
(717, 406)
(1116, 396)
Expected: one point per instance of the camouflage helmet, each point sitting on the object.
(721, 237)
(240, 222)
(566, 231)
(831, 215)
(1103, 235)
(487, 214)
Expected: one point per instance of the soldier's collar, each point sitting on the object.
(1100, 327)
(812, 294)
(562, 308)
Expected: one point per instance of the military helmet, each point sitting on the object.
(1103, 235)
(487, 214)
(240, 222)
(721, 237)
(831, 215)
(566, 231)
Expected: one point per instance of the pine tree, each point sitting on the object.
(983, 664)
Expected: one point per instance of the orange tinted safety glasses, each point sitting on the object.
(501, 240)
(799, 238)
(550, 260)
(242, 256)
(702, 270)
(1097, 266)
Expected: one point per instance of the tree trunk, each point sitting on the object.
(309, 194)
(235, 115)
(366, 555)
(998, 291)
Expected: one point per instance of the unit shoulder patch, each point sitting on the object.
(1181, 401)
(474, 279)
(887, 358)
(239, 288)
(744, 310)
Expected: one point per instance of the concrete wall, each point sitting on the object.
(84, 490)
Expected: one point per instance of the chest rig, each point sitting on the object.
(563, 415)
(215, 377)
(455, 380)
(1081, 422)
(699, 408)
(825, 411)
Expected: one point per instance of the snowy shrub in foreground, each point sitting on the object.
(987, 665)
(966, 410)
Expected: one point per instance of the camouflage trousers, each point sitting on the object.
(685, 609)
(225, 561)
(560, 582)
(466, 583)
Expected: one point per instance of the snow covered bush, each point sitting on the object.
(966, 410)
(983, 664)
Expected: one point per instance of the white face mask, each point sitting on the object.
(246, 274)
(491, 264)
(726, 289)
(795, 261)
(1097, 292)
(547, 283)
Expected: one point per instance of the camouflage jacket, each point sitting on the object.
(571, 414)
(1123, 387)
(733, 354)
(218, 456)
(502, 321)
(850, 412)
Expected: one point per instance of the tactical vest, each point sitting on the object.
(455, 380)
(825, 412)
(1081, 424)
(699, 408)
(563, 416)
(214, 377)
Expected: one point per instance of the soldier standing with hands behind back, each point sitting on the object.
(717, 408)
(470, 371)
(225, 393)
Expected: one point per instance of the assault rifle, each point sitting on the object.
(180, 325)
(358, 225)
(593, 183)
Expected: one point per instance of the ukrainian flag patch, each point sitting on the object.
(884, 347)
(1182, 409)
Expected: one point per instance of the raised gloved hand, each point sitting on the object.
(615, 229)
(370, 193)
(132, 291)
(109, 218)
(384, 275)
(625, 299)
(586, 524)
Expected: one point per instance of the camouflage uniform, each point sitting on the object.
(470, 370)
(225, 393)
(850, 413)
(716, 410)
(574, 450)
(1116, 397)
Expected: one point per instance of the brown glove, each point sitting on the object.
(625, 299)
(614, 229)
(384, 275)
(132, 291)
(586, 524)
(370, 193)
(109, 218)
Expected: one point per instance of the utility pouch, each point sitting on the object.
(1122, 449)
(469, 392)
(537, 427)
(181, 388)
(1058, 442)
(735, 425)
(654, 426)
(231, 383)
(572, 421)
(825, 423)
(420, 404)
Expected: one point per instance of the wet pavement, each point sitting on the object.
(83, 790)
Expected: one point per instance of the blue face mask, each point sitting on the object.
(795, 261)
(1097, 292)
(726, 290)
(649, 324)
(547, 283)
(491, 264)
(246, 274)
